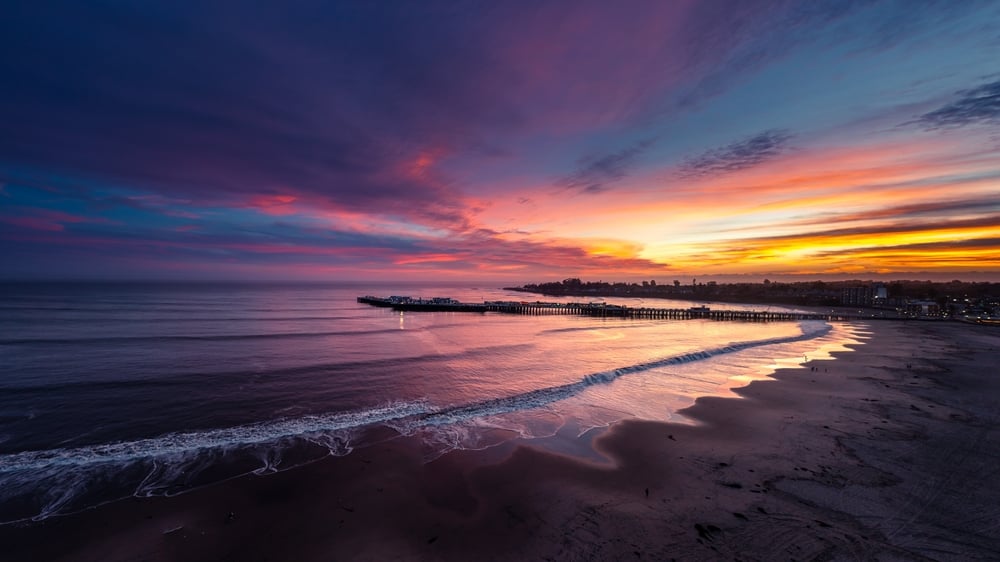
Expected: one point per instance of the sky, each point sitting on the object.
(500, 141)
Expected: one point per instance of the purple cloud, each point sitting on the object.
(333, 103)
(596, 173)
(738, 155)
(973, 106)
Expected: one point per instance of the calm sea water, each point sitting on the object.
(112, 390)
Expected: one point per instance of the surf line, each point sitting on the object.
(545, 396)
(403, 416)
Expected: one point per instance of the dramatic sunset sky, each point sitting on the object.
(503, 140)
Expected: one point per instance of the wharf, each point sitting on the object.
(602, 310)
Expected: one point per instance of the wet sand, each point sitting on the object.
(889, 452)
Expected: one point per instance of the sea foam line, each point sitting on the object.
(403, 416)
(177, 443)
(545, 396)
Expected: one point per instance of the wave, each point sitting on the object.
(591, 328)
(183, 337)
(152, 307)
(152, 464)
(118, 319)
(542, 397)
(210, 337)
(172, 444)
(415, 414)
(223, 377)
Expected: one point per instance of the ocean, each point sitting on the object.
(112, 390)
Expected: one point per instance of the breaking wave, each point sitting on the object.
(176, 443)
(43, 483)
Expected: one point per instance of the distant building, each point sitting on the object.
(866, 296)
(857, 296)
(925, 309)
(880, 297)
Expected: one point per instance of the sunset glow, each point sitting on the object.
(521, 143)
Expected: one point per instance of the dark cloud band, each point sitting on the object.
(739, 155)
(974, 106)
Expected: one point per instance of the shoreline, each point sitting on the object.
(885, 452)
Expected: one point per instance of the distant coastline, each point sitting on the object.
(951, 299)
(545, 290)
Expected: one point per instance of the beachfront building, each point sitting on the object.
(923, 309)
(864, 296)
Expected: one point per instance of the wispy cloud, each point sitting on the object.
(596, 173)
(931, 244)
(34, 218)
(973, 106)
(256, 237)
(738, 155)
(453, 146)
(914, 227)
(915, 211)
(990, 244)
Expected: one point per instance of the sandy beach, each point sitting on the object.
(888, 452)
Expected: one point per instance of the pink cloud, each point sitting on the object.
(428, 258)
(277, 205)
(33, 223)
(47, 219)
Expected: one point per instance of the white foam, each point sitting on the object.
(543, 397)
(60, 477)
(320, 428)
(180, 443)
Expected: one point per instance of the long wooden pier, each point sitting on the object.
(603, 310)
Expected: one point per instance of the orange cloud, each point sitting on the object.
(823, 209)
(427, 258)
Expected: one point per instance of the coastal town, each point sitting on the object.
(969, 301)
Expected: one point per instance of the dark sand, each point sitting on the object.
(891, 452)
